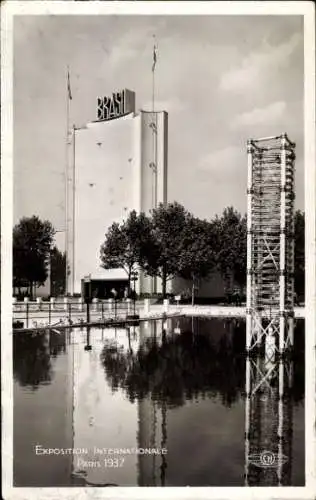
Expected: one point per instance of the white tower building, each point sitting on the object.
(119, 163)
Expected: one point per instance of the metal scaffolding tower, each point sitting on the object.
(270, 241)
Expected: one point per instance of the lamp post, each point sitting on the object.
(88, 346)
(134, 278)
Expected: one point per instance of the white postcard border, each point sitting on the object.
(9, 10)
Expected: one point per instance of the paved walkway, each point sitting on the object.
(211, 310)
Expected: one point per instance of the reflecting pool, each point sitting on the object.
(162, 403)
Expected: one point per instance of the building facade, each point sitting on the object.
(117, 163)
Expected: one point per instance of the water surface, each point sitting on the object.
(176, 387)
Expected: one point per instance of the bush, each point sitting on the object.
(18, 324)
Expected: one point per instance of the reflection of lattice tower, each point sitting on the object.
(270, 240)
(268, 421)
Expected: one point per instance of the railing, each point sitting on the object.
(51, 312)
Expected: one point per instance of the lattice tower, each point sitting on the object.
(270, 240)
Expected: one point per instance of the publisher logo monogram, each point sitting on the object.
(267, 459)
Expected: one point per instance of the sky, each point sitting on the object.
(222, 79)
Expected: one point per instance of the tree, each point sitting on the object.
(176, 369)
(32, 364)
(57, 272)
(32, 241)
(299, 254)
(161, 257)
(232, 253)
(197, 251)
(124, 243)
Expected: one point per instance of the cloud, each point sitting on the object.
(222, 162)
(132, 45)
(223, 178)
(259, 116)
(258, 65)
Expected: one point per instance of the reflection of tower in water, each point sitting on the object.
(152, 434)
(268, 422)
(152, 423)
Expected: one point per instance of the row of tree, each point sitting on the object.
(168, 243)
(171, 242)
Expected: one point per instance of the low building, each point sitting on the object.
(211, 289)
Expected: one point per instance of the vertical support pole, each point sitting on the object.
(281, 421)
(164, 427)
(69, 314)
(88, 346)
(291, 198)
(102, 312)
(257, 333)
(134, 301)
(290, 374)
(258, 245)
(49, 312)
(282, 333)
(88, 312)
(27, 313)
(281, 379)
(291, 330)
(269, 347)
(110, 302)
(282, 246)
(249, 249)
(247, 420)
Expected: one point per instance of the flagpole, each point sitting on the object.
(154, 128)
(153, 79)
(66, 183)
(73, 205)
(154, 136)
(68, 98)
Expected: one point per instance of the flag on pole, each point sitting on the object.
(154, 58)
(68, 86)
